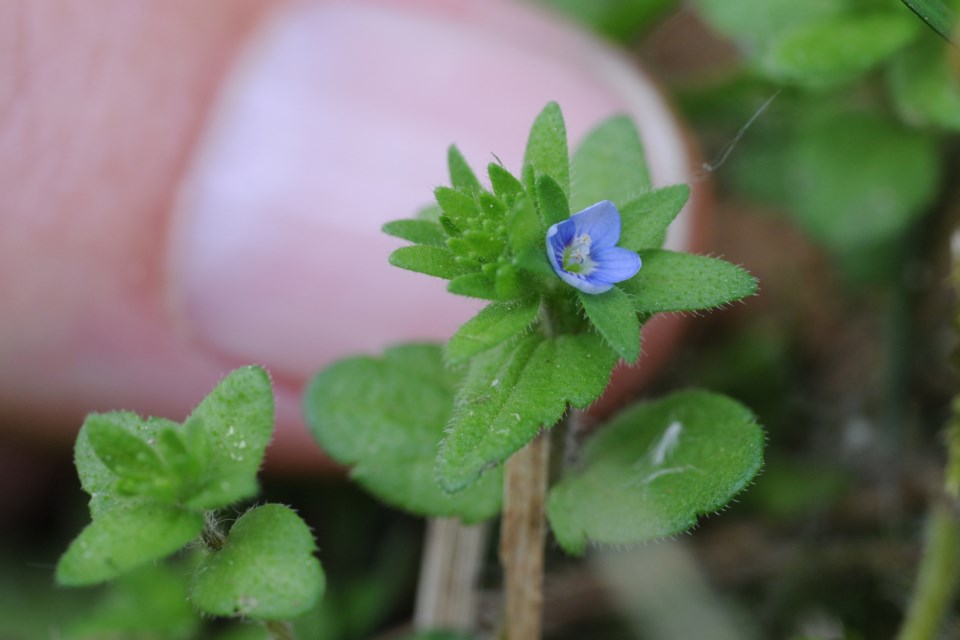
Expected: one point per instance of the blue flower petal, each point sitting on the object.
(615, 264)
(601, 222)
(587, 284)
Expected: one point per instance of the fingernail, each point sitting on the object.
(276, 251)
(335, 120)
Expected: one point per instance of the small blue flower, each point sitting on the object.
(584, 253)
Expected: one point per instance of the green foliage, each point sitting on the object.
(540, 348)
(831, 52)
(417, 231)
(937, 14)
(758, 23)
(124, 538)
(496, 323)
(609, 165)
(670, 281)
(925, 87)
(513, 391)
(546, 151)
(646, 218)
(265, 570)
(385, 416)
(153, 481)
(148, 603)
(617, 19)
(461, 175)
(858, 179)
(614, 316)
(655, 469)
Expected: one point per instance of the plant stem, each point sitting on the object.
(280, 630)
(937, 580)
(522, 535)
(452, 556)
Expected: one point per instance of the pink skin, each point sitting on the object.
(191, 186)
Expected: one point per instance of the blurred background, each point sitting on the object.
(190, 188)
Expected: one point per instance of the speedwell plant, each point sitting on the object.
(568, 254)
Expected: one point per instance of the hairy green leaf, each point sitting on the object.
(385, 416)
(96, 478)
(654, 469)
(525, 231)
(615, 318)
(646, 218)
(546, 150)
(609, 165)
(551, 201)
(671, 281)
(461, 175)
(266, 570)
(494, 324)
(505, 185)
(121, 451)
(433, 261)
(126, 537)
(458, 206)
(474, 285)
(417, 231)
(514, 390)
(237, 419)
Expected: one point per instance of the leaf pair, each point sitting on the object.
(151, 482)
(648, 474)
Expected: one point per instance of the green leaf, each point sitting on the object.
(147, 603)
(670, 281)
(474, 285)
(126, 537)
(95, 477)
(121, 451)
(618, 19)
(483, 244)
(857, 180)
(654, 469)
(609, 165)
(459, 207)
(759, 23)
(417, 231)
(266, 570)
(496, 323)
(551, 201)
(547, 148)
(505, 186)
(832, 52)
(237, 418)
(386, 416)
(525, 231)
(433, 261)
(514, 390)
(613, 315)
(937, 14)
(646, 218)
(925, 87)
(461, 175)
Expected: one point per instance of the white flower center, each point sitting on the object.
(576, 257)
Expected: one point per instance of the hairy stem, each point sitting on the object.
(522, 535)
(937, 580)
(212, 536)
(452, 557)
(280, 630)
